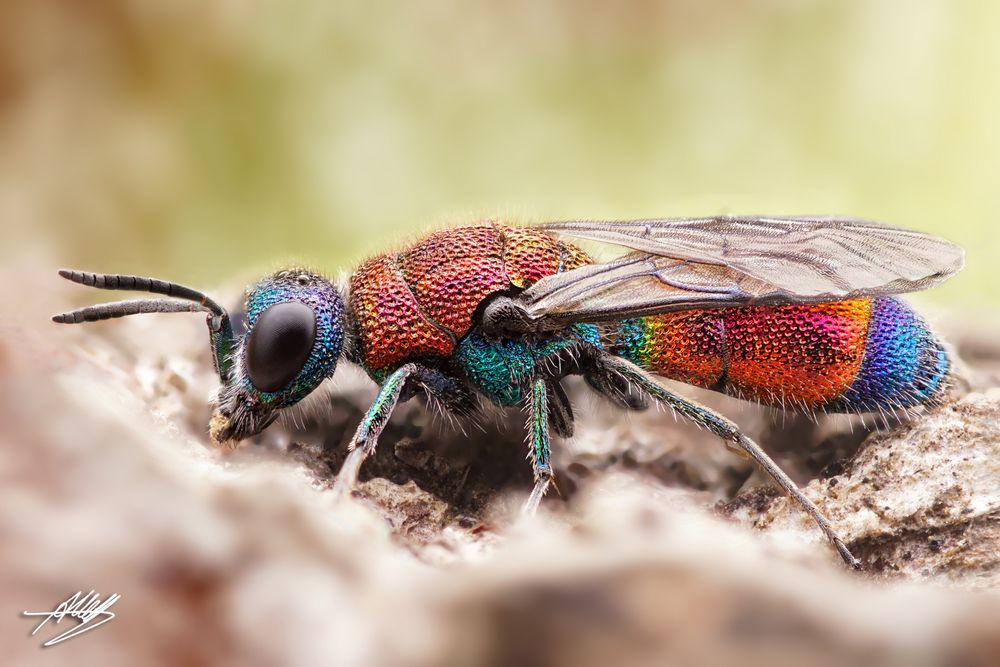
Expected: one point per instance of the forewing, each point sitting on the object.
(729, 261)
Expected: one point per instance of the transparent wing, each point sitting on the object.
(685, 263)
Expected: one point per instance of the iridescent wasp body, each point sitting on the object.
(792, 312)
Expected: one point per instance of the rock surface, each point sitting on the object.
(663, 547)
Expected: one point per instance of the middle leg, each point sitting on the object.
(538, 435)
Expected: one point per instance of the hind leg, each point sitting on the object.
(728, 431)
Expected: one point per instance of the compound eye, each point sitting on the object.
(280, 343)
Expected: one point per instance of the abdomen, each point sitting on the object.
(862, 355)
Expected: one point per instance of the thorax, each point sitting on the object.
(420, 302)
(502, 369)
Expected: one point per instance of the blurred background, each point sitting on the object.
(206, 141)
(203, 140)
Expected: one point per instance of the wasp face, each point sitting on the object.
(294, 336)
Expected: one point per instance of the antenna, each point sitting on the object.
(184, 300)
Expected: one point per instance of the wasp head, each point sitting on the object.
(294, 336)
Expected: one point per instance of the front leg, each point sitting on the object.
(538, 427)
(400, 385)
(366, 437)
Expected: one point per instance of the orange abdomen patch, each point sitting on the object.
(686, 346)
(795, 355)
(806, 355)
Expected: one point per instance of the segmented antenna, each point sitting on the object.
(185, 300)
(107, 311)
(115, 281)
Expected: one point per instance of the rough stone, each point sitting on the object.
(662, 548)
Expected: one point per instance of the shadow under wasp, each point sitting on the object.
(793, 312)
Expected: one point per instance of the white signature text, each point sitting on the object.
(84, 608)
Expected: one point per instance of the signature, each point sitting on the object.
(84, 608)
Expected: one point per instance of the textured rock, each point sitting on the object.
(664, 547)
(921, 502)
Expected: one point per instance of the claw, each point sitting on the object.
(531, 506)
(347, 478)
(736, 449)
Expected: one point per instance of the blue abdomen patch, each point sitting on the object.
(903, 364)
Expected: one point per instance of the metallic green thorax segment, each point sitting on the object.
(504, 369)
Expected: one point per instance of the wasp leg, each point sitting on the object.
(366, 437)
(539, 426)
(614, 388)
(451, 395)
(560, 410)
(729, 432)
(399, 386)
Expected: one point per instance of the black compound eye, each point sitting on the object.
(280, 343)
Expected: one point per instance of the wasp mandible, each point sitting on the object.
(793, 312)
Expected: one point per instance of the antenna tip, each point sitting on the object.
(62, 318)
(66, 273)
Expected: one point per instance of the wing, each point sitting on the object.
(685, 263)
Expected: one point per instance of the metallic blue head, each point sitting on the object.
(294, 337)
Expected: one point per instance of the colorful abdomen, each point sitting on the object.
(847, 356)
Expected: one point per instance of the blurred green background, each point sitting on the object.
(205, 139)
